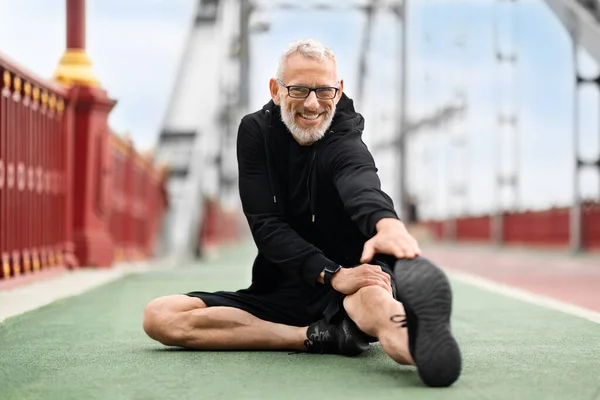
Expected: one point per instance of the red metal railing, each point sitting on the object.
(547, 227)
(37, 147)
(591, 226)
(33, 191)
(118, 217)
(534, 228)
(435, 228)
(219, 226)
(474, 228)
(138, 201)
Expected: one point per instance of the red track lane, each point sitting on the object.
(560, 276)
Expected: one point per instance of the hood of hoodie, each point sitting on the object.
(345, 120)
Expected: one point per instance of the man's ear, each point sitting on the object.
(339, 93)
(274, 89)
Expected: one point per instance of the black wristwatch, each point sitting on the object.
(328, 273)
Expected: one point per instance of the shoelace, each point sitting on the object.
(399, 319)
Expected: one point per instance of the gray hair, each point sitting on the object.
(308, 48)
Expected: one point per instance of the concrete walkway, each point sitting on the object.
(26, 297)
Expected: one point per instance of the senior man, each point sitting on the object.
(336, 269)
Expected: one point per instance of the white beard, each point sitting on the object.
(305, 137)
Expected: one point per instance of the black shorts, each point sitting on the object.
(295, 305)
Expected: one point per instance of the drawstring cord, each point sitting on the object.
(268, 121)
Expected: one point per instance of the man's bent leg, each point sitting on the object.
(185, 321)
(378, 314)
(426, 297)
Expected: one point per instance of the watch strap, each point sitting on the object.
(328, 273)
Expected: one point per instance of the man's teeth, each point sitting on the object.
(310, 116)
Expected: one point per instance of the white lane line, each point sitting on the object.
(524, 295)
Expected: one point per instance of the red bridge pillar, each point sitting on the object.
(92, 179)
(89, 138)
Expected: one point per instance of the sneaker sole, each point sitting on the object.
(425, 292)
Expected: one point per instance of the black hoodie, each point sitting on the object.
(308, 207)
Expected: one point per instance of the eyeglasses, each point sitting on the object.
(302, 92)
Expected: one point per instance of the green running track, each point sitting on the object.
(92, 346)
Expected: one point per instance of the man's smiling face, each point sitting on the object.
(307, 119)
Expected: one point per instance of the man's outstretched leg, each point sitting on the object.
(415, 329)
(425, 292)
(185, 321)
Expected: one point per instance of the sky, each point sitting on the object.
(136, 46)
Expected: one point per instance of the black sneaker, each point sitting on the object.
(425, 292)
(344, 338)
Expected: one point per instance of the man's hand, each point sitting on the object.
(392, 239)
(349, 280)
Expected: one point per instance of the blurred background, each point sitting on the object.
(482, 115)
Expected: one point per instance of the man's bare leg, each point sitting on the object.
(378, 314)
(185, 321)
